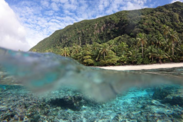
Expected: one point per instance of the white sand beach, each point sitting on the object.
(141, 67)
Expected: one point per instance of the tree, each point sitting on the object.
(122, 48)
(123, 59)
(49, 50)
(142, 40)
(95, 49)
(65, 51)
(151, 52)
(180, 49)
(133, 55)
(111, 58)
(159, 40)
(87, 47)
(160, 54)
(95, 46)
(34, 50)
(166, 30)
(105, 48)
(76, 49)
(87, 58)
(173, 37)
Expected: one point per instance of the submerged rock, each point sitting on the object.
(68, 102)
(174, 98)
(160, 93)
(170, 95)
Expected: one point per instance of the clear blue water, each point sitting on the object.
(46, 87)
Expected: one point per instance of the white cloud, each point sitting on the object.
(176, 1)
(103, 4)
(54, 6)
(12, 33)
(118, 5)
(45, 3)
(132, 6)
(42, 18)
(63, 1)
(50, 13)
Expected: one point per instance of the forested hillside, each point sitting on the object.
(127, 37)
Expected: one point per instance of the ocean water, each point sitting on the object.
(44, 87)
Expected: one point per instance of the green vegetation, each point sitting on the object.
(127, 37)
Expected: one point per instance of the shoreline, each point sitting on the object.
(144, 67)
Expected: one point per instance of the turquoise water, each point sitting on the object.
(49, 88)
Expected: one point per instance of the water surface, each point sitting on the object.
(47, 87)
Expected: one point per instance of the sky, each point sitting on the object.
(24, 23)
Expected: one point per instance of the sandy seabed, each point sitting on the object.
(143, 67)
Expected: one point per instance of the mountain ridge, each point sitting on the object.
(105, 28)
(145, 36)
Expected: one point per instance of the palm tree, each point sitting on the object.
(75, 50)
(123, 59)
(111, 58)
(115, 49)
(87, 47)
(87, 58)
(133, 55)
(65, 51)
(49, 50)
(95, 49)
(142, 40)
(160, 54)
(180, 49)
(166, 30)
(79, 56)
(151, 52)
(95, 46)
(167, 48)
(159, 40)
(173, 37)
(122, 48)
(105, 48)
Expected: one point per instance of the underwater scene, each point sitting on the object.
(44, 87)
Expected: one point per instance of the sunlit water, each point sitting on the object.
(50, 88)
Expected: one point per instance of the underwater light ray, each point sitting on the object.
(41, 72)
